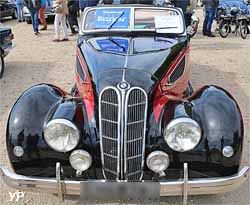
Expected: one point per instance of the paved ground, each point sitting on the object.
(224, 62)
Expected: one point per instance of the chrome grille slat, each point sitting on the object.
(109, 103)
(111, 121)
(139, 121)
(110, 138)
(141, 103)
(109, 155)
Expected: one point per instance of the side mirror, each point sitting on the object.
(190, 32)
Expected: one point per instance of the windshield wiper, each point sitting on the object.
(116, 19)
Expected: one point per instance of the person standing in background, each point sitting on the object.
(87, 3)
(186, 6)
(34, 6)
(73, 6)
(19, 6)
(210, 10)
(61, 9)
(41, 15)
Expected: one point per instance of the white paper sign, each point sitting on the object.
(169, 22)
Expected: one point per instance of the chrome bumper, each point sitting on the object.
(182, 187)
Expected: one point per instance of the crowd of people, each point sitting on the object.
(67, 11)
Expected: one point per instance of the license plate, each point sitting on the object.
(120, 192)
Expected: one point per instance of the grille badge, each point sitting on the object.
(123, 85)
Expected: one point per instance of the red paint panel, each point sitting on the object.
(85, 88)
(175, 91)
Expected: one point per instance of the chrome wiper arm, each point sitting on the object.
(166, 27)
(117, 44)
(116, 19)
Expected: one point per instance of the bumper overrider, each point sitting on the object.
(179, 187)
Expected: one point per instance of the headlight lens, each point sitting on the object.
(61, 135)
(80, 160)
(182, 134)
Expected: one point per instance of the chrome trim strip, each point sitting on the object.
(167, 188)
(125, 131)
(185, 186)
(123, 113)
(118, 128)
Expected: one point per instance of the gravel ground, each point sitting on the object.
(36, 59)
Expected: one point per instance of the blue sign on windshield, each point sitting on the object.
(114, 45)
(104, 18)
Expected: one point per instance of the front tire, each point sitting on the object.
(1, 66)
(224, 28)
(243, 29)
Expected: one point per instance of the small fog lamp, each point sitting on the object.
(158, 162)
(228, 151)
(80, 160)
(18, 151)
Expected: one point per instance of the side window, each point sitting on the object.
(79, 69)
(178, 72)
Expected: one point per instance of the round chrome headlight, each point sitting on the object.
(61, 135)
(182, 134)
(80, 160)
(158, 161)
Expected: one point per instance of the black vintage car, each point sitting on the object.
(6, 44)
(132, 126)
(7, 8)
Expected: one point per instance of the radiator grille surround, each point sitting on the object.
(134, 137)
(122, 117)
(109, 105)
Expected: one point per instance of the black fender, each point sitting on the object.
(220, 119)
(27, 118)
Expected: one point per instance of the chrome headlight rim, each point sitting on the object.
(83, 153)
(66, 123)
(181, 120)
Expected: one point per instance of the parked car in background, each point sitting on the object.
(48, 12)
(7, 9)
(6, 44)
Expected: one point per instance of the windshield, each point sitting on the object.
(160, 20)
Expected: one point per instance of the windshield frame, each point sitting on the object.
(132, 19)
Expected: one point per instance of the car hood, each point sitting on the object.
(141, 61)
